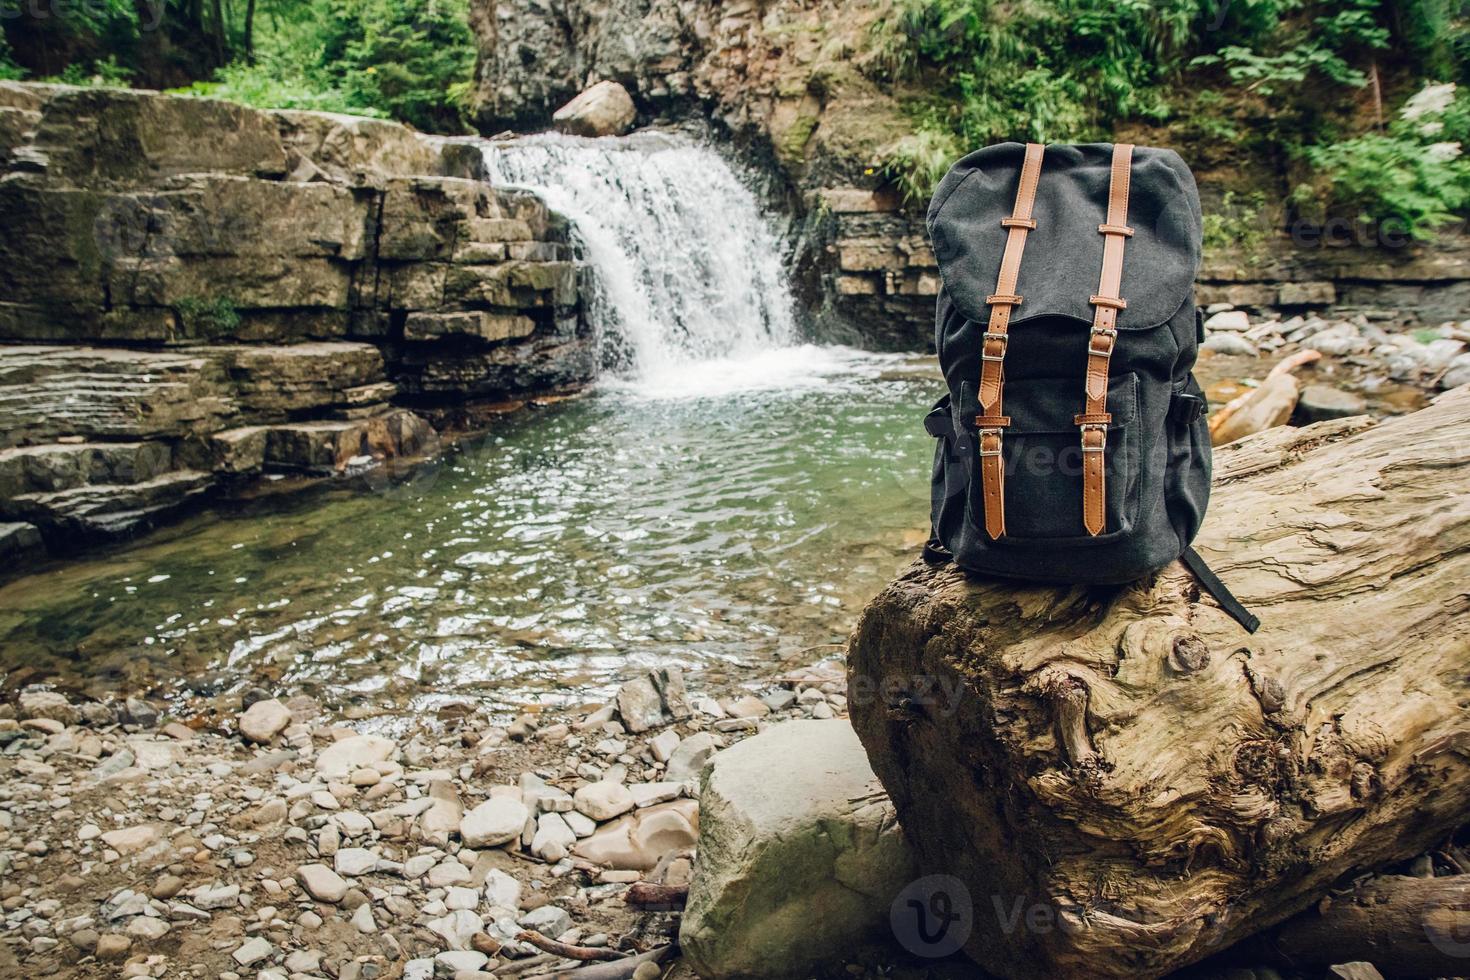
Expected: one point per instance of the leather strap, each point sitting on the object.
(1100, 343)
(991, 422)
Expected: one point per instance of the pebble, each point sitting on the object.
(1229, 345)
(549, 920)
(321, 882)
(603, 800)
(264, 720)
(494, 822)
(253, 950)
(553, 839)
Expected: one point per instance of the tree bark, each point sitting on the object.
(1406, 926)
(1143, 781)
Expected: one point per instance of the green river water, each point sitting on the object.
(741, 514)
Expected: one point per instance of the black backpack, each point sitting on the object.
(1073, 443)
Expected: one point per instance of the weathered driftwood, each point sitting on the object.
(1405, 926)
(1143, 781)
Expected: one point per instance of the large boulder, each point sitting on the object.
(605, 109)
(800, 855)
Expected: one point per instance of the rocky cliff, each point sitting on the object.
(193, 293)
(798, 87)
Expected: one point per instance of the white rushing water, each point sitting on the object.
(689, 292)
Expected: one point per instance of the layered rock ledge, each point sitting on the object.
(193, 293)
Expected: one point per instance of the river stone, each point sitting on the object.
(1458, 373)
(656, 699)
(691, 755)
(792, 820)
(1232, 320)
(553, 839)
(637, 841)
(493, 823)
(47, 705)
(339, 759)
(264, 720)
(603, 801)
(130, 840)
(605, 109)
(1229, 344)
(322, 883)
(1318, 403)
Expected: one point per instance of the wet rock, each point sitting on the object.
(604, 109)
(791, 820)
(47, 705)
(113, 946)
(657, 699)
(136, 711)
(1319, 403)
(264, 720)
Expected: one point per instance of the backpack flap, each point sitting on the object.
(1065, 251)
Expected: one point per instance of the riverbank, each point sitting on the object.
(258, 835)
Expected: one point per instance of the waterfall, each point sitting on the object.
(685, 270)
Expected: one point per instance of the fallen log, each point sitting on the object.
(1125, 782)
(1405, 926)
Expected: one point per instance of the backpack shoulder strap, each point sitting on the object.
(990, 422)
(1231, 605)
(1104, 336)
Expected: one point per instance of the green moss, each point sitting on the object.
(207, 319)
(792, 143)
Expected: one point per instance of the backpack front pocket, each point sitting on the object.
(1042, 451)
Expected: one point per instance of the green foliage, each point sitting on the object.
(1239, 222)
(105, 72)
(207, 318)
(412, 60)
(1039, 69)
(265, 87)
(918, 161)
(406, 59)
(9, 70)
(1409, 179)
(1321, 42)
(1290, 70)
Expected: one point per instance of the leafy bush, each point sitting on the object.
(412, 60)
(1239, 222)
(264, 86)
(1410, 179)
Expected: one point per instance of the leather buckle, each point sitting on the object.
(1099, 427)
(981, 434)
(1005, 344)
(1097, 332)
